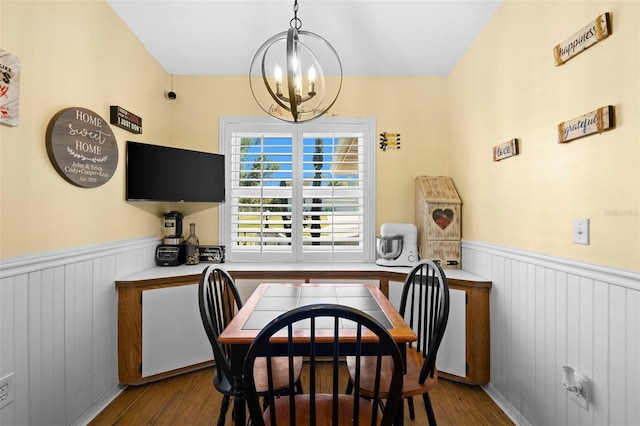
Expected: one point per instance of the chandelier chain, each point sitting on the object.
(295, 22)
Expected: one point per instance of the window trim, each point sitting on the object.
(365, 125)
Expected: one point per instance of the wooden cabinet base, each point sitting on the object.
(130, 330)
(478, 344)
(130, 318)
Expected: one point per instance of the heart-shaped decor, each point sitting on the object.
(442, 217)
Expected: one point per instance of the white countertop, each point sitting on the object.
(182, 270)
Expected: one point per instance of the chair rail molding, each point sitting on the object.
(50, 259)
(621, 277)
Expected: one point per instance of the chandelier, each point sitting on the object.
(295, 75)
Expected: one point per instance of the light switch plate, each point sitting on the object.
(581, 231)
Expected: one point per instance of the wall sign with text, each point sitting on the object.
(82, 147)
(505, 150)
(593, 122)
(9, 88)
(124, 119)
(592, 33)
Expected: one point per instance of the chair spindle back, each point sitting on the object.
(425, 307)
(277, 340)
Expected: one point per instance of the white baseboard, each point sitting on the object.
(97, 408)
(504, 405)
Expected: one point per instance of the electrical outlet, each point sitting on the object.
(581, 231)
(582, 399)
(6, 390)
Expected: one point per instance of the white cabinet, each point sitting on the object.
(452, 357)
(172, 333)
(160, 333)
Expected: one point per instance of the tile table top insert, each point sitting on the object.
(278, 299)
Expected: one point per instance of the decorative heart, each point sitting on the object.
(442, 217)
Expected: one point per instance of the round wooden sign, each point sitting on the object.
(82, 147)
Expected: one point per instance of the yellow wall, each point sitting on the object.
(81, 54)
(73, 54)
(507, 86)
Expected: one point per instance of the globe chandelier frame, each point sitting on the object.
(277, 75)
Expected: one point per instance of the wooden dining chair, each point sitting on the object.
(219, 301)
(281, 338)
(425, 307)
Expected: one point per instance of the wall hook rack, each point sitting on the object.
(389, 140)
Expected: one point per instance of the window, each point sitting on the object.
(298, 192)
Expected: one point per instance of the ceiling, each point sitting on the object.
(372, 37)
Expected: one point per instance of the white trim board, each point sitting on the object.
(621, 277)
(505, 406)
(51, 259)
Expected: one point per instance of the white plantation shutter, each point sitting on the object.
(298, 192)
(261, 193)
(332, 193)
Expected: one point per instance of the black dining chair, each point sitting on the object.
(219, 301)
(425, 307)
(281, 338)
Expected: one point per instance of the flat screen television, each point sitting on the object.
(161, 173)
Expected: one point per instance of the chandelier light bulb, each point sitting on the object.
(312, 79)
(277, 72)
(298, 85)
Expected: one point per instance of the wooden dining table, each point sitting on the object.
(273, 299)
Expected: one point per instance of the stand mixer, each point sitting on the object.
(397, 245)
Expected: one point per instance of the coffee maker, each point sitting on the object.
(172, 228)
(172, 251)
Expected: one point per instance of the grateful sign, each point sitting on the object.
(593, 122)
(592, 33)
(82, 147)
(505, 150)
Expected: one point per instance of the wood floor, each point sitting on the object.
(190, 399)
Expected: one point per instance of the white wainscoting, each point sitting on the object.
(58, 333)
(547, 312)
(58, 329)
